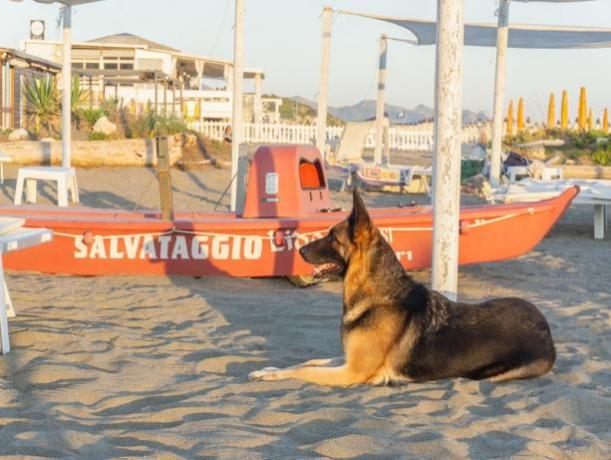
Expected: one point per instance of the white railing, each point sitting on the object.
(405, 138)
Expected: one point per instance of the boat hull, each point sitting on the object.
(103, 242)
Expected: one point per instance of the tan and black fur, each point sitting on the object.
(396, 330)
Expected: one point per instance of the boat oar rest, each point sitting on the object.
(286, 181)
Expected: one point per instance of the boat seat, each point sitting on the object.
(65, 178)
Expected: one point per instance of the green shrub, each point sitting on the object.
(43, 105)
(602, 157)
(91, 116)
(98, 136)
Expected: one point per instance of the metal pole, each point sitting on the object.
(238, 100)
(321, 121)
(258, 105)
(499, 92)
(448, 134)
(380, 103)
(67, 88)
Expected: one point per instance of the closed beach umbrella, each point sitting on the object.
(66, 73)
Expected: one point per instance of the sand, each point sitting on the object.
(157, 366)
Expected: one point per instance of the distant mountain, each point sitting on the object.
(366, 110)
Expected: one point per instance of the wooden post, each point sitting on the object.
(90, 92)
(165, 98)
(448, 140)
(499, 92)
(238, 101)
(174, 97)
(321, 120)
(165, 178)
(156, 96)
(380, 103)
(67, 88)
(182, 97)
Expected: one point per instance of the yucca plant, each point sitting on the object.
(78, 96)
(43, 106)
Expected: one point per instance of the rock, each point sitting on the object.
(19, 135)
(104, 126)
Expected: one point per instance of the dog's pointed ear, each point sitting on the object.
(360, 222)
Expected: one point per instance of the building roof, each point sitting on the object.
(132, 40)
(28, 60)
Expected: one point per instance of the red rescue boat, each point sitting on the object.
(287, 205)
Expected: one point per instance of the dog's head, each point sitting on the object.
(332, 254)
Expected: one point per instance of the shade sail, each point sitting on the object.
(520, 36)
(65, 2)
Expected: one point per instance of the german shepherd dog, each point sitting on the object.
(396, 330)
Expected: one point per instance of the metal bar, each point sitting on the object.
(67, 89)
(499, 92)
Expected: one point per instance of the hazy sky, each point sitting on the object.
(283, 38)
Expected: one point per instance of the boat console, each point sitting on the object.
(286, 181)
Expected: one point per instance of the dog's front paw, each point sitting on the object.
(267, 373)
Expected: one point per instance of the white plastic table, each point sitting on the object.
(14, 237)
(65, 178)
(4, 158)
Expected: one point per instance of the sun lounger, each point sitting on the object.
(596, 193)
(349, 159)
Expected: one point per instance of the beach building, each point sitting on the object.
(15, 68)
(143, 72)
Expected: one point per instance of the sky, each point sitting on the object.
(283, 38)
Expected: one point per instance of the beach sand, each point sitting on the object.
(157, 366)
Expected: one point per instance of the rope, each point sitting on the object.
(146, 190)
(225, 191)
(476, 224)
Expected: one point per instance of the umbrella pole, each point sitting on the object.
(67, 87)
(321, 120)
(377, 153)
(448, 135)
(237, 192)
(499, 93)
